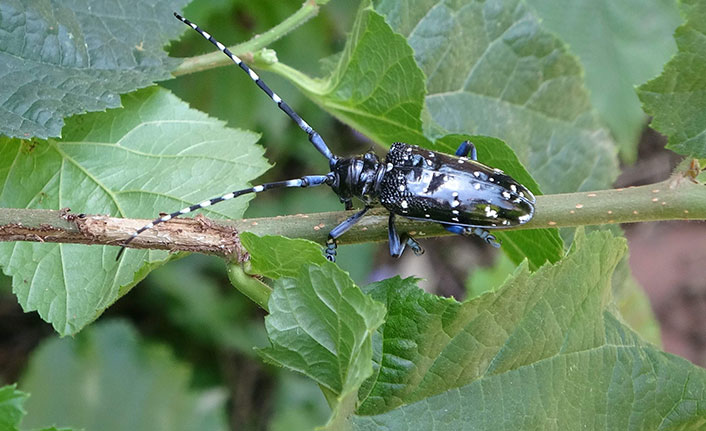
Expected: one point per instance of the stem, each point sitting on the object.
(212, 60)
(295, 76)
(248, 285)
(678, 198)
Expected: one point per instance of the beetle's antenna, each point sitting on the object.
(307, 181)
(314, 137)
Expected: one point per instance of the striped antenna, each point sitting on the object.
(307, 181)
(314, 137)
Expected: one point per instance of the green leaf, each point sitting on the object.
(488, 279)
(108, 379)
(542, 352)
(376, 87)
(620, 44)
(60, 58)
(11, 410)
(277, 256)
(155, 154)
(677, 98)
(634, 304)
(537, 245)
(491, 69)
(320, 325)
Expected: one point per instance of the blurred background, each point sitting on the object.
(189, 313)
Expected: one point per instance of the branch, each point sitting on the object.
(679, 198)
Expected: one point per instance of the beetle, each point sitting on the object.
(457, 191)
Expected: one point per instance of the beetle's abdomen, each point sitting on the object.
(427, 185)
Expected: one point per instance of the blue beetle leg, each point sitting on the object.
(486, 236)
(348, 203)
(330, 251)
(399, 242)
(396, 246)
(470, 231)
(414, 245)
(465, 148)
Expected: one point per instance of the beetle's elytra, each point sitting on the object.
(465, 196)
(426, 185)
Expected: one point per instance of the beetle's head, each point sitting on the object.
(357, 176)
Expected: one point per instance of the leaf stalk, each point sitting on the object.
(308, 10)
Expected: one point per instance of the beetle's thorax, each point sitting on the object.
(358, 177)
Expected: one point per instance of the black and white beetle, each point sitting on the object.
(466, 197)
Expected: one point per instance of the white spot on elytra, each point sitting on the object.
(427, 215)
(454, 218)
(454, 204)
(476, 186)
(401, 187)
(476, 174)
(489, 212)
(404, 204)
(507, 195)
(389, 167)
(524, 218)
(454, 195)
(455, 212)
(491, 179)
(513, 188)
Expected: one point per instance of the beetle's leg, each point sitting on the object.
(339, 230)
(465, 148)
(398, 242)
(473, 231)
(348, 203)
